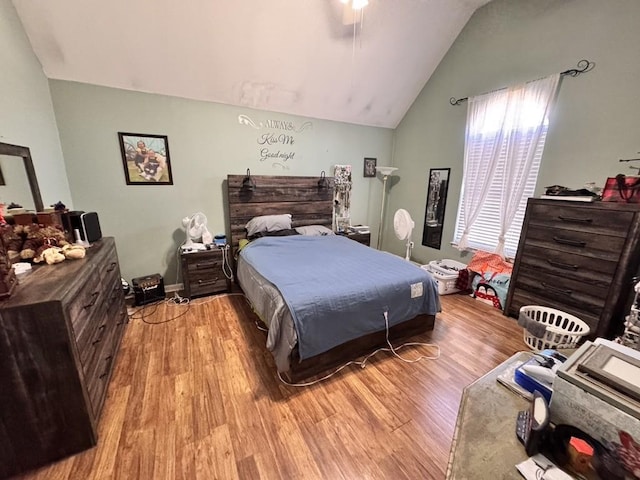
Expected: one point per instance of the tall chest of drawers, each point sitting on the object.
(59, 335)
(581, 258)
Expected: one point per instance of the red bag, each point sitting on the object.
(622, 189)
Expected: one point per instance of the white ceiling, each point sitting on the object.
(292, 56)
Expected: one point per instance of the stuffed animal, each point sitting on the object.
(74, 252)
(12, 238)
(50, 255)
(40, 238)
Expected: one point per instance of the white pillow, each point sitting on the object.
(268, 223)
(314, 230)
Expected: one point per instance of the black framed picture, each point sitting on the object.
(370, 167)
(436, 204)
(145, 159)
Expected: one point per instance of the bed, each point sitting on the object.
(402, 292)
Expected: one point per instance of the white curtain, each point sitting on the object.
(528, 111)
(503, 131)
(481, 155)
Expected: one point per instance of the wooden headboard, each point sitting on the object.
(307, 203)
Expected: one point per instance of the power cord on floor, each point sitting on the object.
(363, 363)
(175, 301)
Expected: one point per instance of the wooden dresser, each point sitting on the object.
(59, 336)
(581, 258)
(203, 273)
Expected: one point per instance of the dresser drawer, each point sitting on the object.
(563, 290)
(203, 261)
(589, 270)
(98, 376)
(87, 312)
(588, 220)
(206, 283)
(579, 242)
(523, 297)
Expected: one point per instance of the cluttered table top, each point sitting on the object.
(484, 442)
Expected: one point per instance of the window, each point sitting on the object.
(506, 133)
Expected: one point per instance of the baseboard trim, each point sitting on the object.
(175, 287)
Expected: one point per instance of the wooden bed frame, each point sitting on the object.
(309, 203)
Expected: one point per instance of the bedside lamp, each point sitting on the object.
(385, 172)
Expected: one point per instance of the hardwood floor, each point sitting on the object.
(198, 397)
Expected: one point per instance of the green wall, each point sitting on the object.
(26, 112)
(595, 121)
(206, 142)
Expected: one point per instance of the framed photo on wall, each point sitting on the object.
(436, 203)
(145, 159)
(370, 167)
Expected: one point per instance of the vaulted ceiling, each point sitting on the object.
(315, 58)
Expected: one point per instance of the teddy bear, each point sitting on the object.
(39, 239)
(50, 255)
(12, 238)
(53, 255)
(74, 252)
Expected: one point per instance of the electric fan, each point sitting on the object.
(403, 226)
(195, 228)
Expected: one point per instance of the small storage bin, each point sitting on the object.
(562, 329)
(446, 282)
(447, 266)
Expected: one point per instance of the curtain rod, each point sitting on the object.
(583, 66)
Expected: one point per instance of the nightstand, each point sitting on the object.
(203, 274)
(363, 238)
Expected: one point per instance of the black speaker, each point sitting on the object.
(148, 289)
(87, 225)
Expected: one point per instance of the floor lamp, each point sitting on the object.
(385, 172)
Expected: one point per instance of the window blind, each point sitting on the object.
(485, 231)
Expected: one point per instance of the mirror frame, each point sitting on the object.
(25, 154)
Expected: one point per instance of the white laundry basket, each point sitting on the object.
(562, 329)
(445, 273)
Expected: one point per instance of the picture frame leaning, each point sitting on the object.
(145, 159)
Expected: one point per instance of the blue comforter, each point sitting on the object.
(338, 289)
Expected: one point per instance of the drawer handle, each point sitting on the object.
(94, 297)
(205, 265)
(101, 329)
(568, 241)
(123, 320)
(575, 219)
(108, 368)
(566, 266)
(111, 267)
(556, 289)
(207, 282)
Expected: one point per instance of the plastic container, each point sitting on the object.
(631, 336)
(562, 329)
(446, 282)
(447, 266)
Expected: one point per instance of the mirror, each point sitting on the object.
(436, 203)
(18, 177)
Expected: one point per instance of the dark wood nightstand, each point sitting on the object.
(363, 238)
(203, 274)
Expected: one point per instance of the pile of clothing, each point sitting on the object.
(486, 278)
